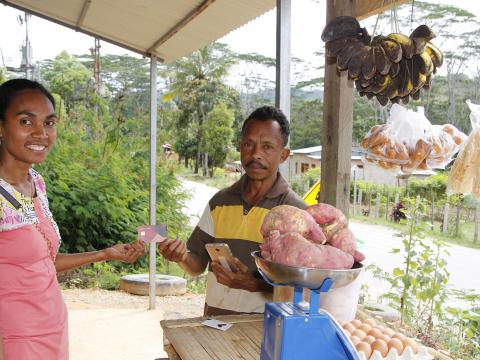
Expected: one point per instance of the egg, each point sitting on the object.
(385, 338)
(396, 344)
(349, 327)
(369, 339)
(381, 328)
(370, 322)
(359, 333)
(356, 323)
(412, 343)
(400, 336)
(389, 332)
(366, 328)
(381, 346)
(341, 323)
(375, 333)
(355, 340)
(363, 346)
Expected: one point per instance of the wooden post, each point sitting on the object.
(360, 194)
(337, 124)
(445, 216)
(386, 205)
(457, 220)
(354, 193)
(369, 202)
(377, 206)
(476, 216)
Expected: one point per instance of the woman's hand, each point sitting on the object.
(128, 253)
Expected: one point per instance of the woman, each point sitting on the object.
(33, 316)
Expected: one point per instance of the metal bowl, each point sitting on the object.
(311, 278)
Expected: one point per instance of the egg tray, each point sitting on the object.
(394, 345)
(407, 354)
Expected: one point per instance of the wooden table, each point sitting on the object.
(187, 339)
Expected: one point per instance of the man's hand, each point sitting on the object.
(241, 279)
(173, 250)
(128, 253)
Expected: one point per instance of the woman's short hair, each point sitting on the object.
(10, 88)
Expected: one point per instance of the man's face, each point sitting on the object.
(262, 149)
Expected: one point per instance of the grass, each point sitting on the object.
(464, 238)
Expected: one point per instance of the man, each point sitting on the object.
(234, 216)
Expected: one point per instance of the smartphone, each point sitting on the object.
(221, 253)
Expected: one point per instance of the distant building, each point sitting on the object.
(302, 160)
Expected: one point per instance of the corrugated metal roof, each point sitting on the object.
(308, 150)
(168, 29)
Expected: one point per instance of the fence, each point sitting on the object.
(452, 218)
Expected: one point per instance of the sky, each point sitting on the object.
(308, 20)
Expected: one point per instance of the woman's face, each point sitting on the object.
(28, 131)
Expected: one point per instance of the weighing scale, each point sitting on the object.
(300, 330)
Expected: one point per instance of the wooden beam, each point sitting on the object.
(367, 8)
(181, 24)
(81, 18)
(337, 124)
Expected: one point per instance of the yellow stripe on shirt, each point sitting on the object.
(231, 223)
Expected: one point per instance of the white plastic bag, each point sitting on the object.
(464, 177)
(408, 140)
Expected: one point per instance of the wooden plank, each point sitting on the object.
(191, 340)
(367, 8)
(337, 124)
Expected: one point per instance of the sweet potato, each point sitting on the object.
(345, 241)
(328, 217)
(294, 250)
(286, 218)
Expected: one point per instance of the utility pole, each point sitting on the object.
(26, 66)
(96, 66)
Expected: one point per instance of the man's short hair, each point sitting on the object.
(266, 113)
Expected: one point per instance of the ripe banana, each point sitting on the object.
(435, 54)
(392, 49)
(382, 63)
(420, 36)
(408, 47)
(368, 67)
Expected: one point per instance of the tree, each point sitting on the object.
(67, 77)
(196, 84)
(218, 134)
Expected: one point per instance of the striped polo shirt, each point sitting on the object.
(229, 219)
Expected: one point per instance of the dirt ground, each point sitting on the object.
(117, 325)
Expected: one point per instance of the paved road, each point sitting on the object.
(378, 240)
(200, 194)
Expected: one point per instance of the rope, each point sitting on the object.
(376, 22)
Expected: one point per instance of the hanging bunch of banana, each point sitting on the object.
(392, 67)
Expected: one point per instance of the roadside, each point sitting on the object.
(117, 325)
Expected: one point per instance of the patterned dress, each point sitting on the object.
(33, 315)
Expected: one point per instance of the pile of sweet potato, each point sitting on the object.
(316, 237)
